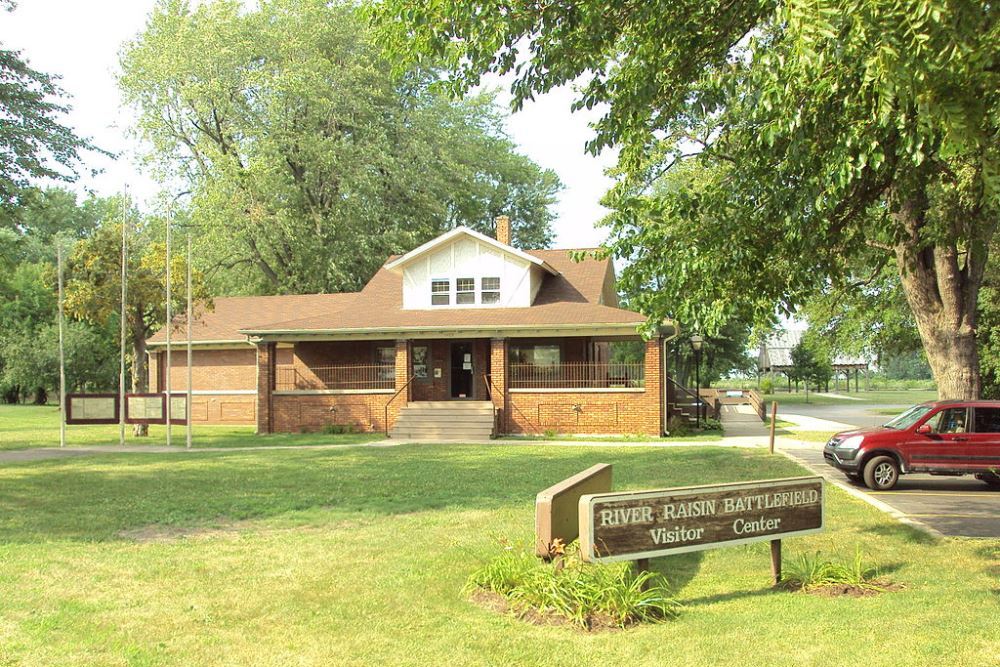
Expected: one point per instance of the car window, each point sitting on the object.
(908, 418)
(949, 420)
(987, 420)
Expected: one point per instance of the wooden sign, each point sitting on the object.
(92, 408)
(145, 409)
(646, 524)
(556, 507)
(152, 409)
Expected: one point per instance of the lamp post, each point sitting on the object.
(696, 343)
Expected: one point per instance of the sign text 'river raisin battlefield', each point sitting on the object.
(645, 524)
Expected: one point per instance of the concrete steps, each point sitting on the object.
(445, 421)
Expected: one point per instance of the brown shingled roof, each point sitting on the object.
(229, 314)
(578, 295)
(573, 297)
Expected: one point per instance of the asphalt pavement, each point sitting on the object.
(952, 506)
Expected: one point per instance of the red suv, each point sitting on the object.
(940, 438)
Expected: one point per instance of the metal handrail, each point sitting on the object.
(389, 402)
(699, 401)
(488, 380)
(510, 406)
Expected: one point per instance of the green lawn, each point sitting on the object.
(901, 397)
(358, 557)
(27, 426)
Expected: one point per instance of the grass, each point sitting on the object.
(359, 556)
(898, 397)
(29, 426)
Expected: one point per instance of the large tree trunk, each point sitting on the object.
(941, 283)
(140, 368)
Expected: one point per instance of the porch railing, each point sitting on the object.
(580, 375)
(346, 377)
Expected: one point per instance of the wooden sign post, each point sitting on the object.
(641, 525)
(774, 418)
(556, 508)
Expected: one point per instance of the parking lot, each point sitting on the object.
(953, 506)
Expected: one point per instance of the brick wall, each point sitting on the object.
(223, 372)
(295, 413)
(592, 412)
(266, 358)
(214, 370)
(498, 378)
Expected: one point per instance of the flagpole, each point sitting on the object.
(121, 367)
(190, 313)
(170, 326)
(62, 354)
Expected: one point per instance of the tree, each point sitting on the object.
(836, 134)
(93, 286)
(28, 236)
(33, 142)
(810, 365)
(307, 161)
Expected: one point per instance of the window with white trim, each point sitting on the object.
(440, 292)
(489, 290)
(465, 291)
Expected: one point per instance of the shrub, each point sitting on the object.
(709, 424)
(812, 571)
(337, 429)
(677, 427)
(585, 594)
(767, 385)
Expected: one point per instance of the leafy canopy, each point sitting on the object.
(812, 123)
(34, 142)
(307, 159)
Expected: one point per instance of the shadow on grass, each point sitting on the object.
(903, 532)
(678, 570)
(731, 595)
(96, 498)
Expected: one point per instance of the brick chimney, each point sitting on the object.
(503, 229)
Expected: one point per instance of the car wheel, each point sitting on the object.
(992, 479)
(881, 473)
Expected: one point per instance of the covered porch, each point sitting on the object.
(565, 383)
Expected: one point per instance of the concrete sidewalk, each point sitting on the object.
(45, 453)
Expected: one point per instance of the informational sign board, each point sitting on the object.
(556, 507)
(145, 409)
(152, 408)
(646, 524)
(178, 408)
(92, 408)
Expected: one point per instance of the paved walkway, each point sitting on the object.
(742, 421)
(43, 453)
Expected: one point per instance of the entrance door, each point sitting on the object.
(461, 370)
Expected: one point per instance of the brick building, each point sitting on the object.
(533, 340)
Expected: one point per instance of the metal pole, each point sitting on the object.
(190, 313)
(121, 368)
(62, 356)
(697, 386)
(170, 325)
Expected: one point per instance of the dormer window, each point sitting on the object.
(465, 291)
(440, 292)
(490, 292)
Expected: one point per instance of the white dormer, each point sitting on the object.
(466, 269)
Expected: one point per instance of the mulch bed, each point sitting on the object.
(497, 603)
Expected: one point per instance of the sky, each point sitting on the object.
(79, 40)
